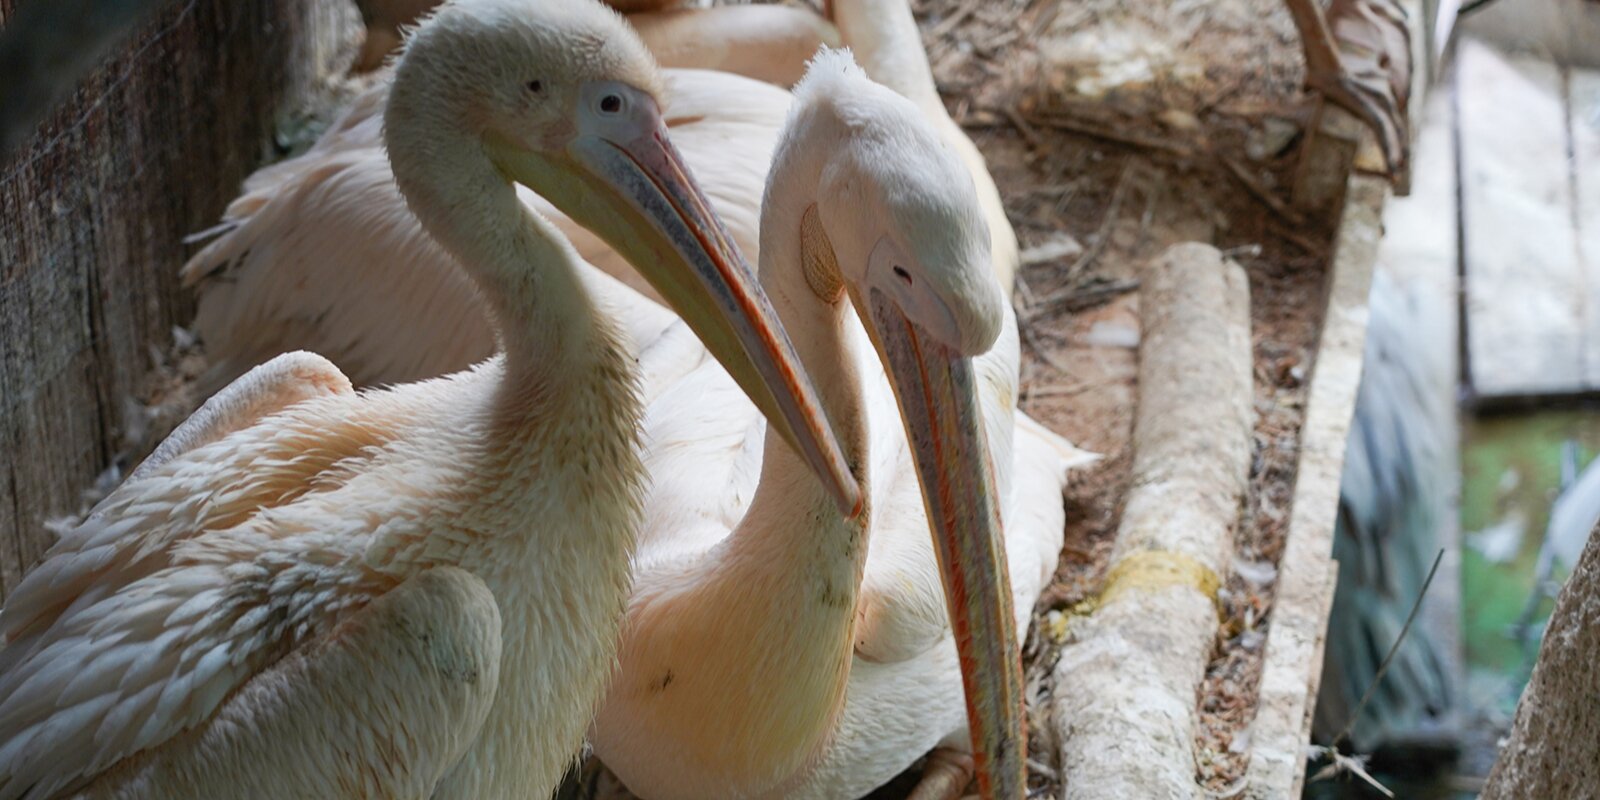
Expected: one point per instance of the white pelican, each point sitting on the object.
(769, 43)
(320, 253)
(884, 36)
(773, 647)
(412, 592)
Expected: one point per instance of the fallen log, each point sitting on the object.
(1126, 683)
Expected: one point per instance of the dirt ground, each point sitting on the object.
(1113, 130)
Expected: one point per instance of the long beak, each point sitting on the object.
(939, 401)
(635, 192)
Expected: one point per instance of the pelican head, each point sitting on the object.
(564, 98)
(911, 247)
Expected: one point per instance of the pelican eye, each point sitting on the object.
(536, 87)
(611, 104)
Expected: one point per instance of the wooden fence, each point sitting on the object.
(93, 211)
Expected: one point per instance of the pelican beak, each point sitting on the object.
(939, 401)
(621, 177)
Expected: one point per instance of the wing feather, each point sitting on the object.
(160, 656)
(130, 534)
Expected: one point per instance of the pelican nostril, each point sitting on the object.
(900, 272)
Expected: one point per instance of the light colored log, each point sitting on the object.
(1125, 686)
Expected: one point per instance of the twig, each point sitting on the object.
(1262, 193)
(1025, 294)
(1355, 765)
(1252, 250)
(1043, 769)
(1029, 135)
(1032, 338)
(1068, 391)
(1102, 234)
(1119, 137)
(949, 23)
(1078, 298)
(1395, 648)
(1230, 791)
(1300, 240)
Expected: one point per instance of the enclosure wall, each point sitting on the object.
(93, 210)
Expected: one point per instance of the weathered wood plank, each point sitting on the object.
(1419, 231)
(1523, 279)
(1583, 114)
(92, 214)
(1563, 31)
(1292, 665)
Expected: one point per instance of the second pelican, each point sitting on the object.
(773, 647)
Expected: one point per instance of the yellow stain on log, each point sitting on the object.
(1149, 570)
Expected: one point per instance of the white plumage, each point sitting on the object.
(310, 591)
(773, 648)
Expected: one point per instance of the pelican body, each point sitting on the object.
(412, 592)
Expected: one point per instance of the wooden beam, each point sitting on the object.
(1293, 662)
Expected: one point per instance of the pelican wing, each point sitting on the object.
(328, 258)
(187, 581)
(382, 706)
(262, 391)
(703, 447)
(767, 43)
(129, 535)
(130, 669)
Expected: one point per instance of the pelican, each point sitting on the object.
(320, 252)
(772, 646)
(413, 592)
(767, 43)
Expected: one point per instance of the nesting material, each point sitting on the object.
(1125, 686)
